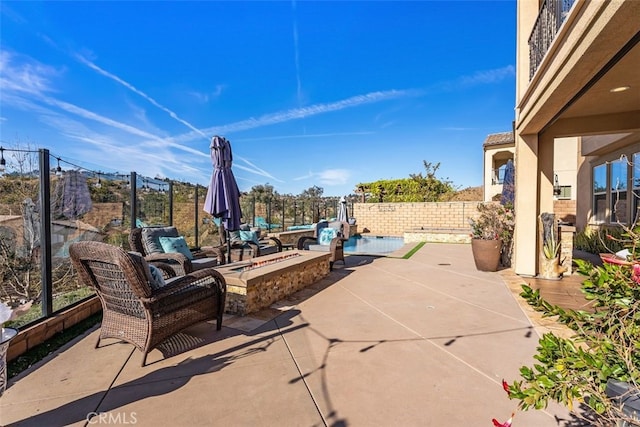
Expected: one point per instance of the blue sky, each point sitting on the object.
(308, 93)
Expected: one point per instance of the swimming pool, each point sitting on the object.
(372, 245)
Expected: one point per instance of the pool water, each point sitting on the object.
(372, 245)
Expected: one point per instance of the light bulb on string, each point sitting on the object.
(3, 162)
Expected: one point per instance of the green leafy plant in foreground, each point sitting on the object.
(605, 345)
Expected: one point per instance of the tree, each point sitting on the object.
(263, 193)
(432, 188)
(416, 188)
(313, 195)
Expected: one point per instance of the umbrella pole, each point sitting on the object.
(228, 246)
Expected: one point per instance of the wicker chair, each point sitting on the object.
(205, 258)
(135, 309)
(243, 250)
(334, 245)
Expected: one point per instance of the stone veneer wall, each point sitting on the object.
(291, 237)
(393, 219)
(269, 288)
(566, 247)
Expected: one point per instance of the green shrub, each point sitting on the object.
(595, 241)
(605, 345)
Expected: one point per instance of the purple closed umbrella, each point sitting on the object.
(223, 196)
(508, 195)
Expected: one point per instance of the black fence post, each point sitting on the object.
(283, 210)
(197, 236)
(45, 234)
(170, 202)
(134, 200)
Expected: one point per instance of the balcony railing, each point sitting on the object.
(552, 15)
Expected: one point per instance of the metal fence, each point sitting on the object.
(47, 203)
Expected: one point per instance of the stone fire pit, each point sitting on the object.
(258, 283)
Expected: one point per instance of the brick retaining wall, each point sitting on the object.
(393, 219)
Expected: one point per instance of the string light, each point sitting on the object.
(58, 169)
(3, 162)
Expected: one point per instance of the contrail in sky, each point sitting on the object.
(297, 53)
(142, 94)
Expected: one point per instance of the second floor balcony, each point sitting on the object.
(550, 18)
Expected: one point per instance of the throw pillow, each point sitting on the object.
(176, 244)
(326, 235)
(158, 280)
(249, 236)
(146, 267)
(151, 238)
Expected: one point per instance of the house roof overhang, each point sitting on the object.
(596, 51)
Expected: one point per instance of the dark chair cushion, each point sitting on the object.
(151, 238)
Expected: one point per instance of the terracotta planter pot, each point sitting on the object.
(486, 254)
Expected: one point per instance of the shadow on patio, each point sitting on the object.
(383, 341)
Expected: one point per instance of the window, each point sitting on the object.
(498, 175)
(565, 192)
(613, 200)
(618, 183)
(635, 194)
(600, 193)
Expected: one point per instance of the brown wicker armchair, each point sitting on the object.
(246, 249)
(334, 244)
(135, 307)
(182, 265)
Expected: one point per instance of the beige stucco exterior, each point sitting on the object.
(567, 106)
(496, 156)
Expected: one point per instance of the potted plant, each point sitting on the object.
(491, 230)
(550, 260)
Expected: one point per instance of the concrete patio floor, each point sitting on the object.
(380, 342)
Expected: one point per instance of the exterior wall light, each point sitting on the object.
(556, 186)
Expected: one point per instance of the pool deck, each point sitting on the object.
(381, 341)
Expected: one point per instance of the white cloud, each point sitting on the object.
(204, 98)
(27, 77)
(489, 76)
(305, 135)
(334, 176)
(328, 176)
(300, 113)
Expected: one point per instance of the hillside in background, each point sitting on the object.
(469, 194)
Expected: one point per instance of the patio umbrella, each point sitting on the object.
(343, 215)
(223, 195)
(508, 184)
